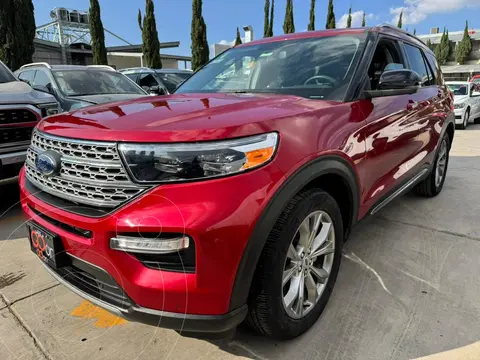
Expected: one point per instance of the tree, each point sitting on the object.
(99, 50)
(349, 18)
(443, 50)
(266, 26)
(400, 20)
(464, 47)
(139, 19)
(150, 42)
(429, 44)
(415, 31)
(238, 40)
(330, 16)
(364, 22)
(311, 24)
(272, 10)
(17, 31)
(288, 24)
(200, 50)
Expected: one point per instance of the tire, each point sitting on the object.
(430, 187)
(466, 119)
(268, 313)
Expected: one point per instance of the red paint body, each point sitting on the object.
(385, 140)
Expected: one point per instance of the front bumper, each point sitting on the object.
(10, 165)
(219, 215)
(459, 116)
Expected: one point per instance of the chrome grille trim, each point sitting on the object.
(91, 173)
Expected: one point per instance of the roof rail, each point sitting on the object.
(47, 65)
(135, 68)
(106, 67)
(390, 26)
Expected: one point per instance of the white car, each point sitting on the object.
(467, 102)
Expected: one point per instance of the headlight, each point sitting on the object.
(49, 109)
(459, 106)
(154, 163)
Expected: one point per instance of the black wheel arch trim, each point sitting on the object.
(324, 165)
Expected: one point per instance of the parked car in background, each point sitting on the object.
(475, 79)
(157, 81)
(21, 108)
(467, 102)
(77, 86)
(231, 200)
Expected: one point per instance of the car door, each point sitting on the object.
(398, 130)
(474, 101)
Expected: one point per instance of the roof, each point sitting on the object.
(65, 67)
(306, 35)
(453, 36)
(385, 28)
(138, 47)
(461, 69)
(147, 70)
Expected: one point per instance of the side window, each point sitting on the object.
(41, 78)
(27, 76)
(417, 63)
(386, 57)
(147, 80)
(132, 77)
(432, 61)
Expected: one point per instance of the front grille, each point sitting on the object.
(91, 173)
(94, 282)
(15, 135)
(17, 116)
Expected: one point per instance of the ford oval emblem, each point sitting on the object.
(48, 163)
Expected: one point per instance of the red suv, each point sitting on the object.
(231, 199)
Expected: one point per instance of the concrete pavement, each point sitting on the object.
(408, 288)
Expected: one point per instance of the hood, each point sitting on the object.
(104, 98)
(177, 118)
(457, 99)
(18, 92)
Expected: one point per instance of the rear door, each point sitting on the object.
(398, 129)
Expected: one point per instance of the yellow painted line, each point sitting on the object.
(104, 319)
(469, 352)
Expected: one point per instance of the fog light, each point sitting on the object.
(149, 246)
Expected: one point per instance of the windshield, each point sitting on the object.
(94, 82)
(458, 89)
(171, 80)
(5, 74)
(316, 68)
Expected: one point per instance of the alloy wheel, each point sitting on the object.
(308, 265)
(441, 163)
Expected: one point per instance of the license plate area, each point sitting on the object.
(47, 246)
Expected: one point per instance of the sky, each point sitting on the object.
(223, 16)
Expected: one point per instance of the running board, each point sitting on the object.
(408, 185)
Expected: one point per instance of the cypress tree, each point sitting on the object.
(443, 50)
(99, 50)
(266, 25)
(311, 24)
(364, 22)
(150, 42)
(429, 44)
(349, 18)
(288, 24)
(238, 40)
(200, 50)
(140, 21)
(464, 47)
(330, 16)
(400, 20)
(17, 31)
(270, 29)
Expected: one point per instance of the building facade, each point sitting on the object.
(451, 69)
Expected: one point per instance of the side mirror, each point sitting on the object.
(42, 88)
(396, 82)
(157, 90)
